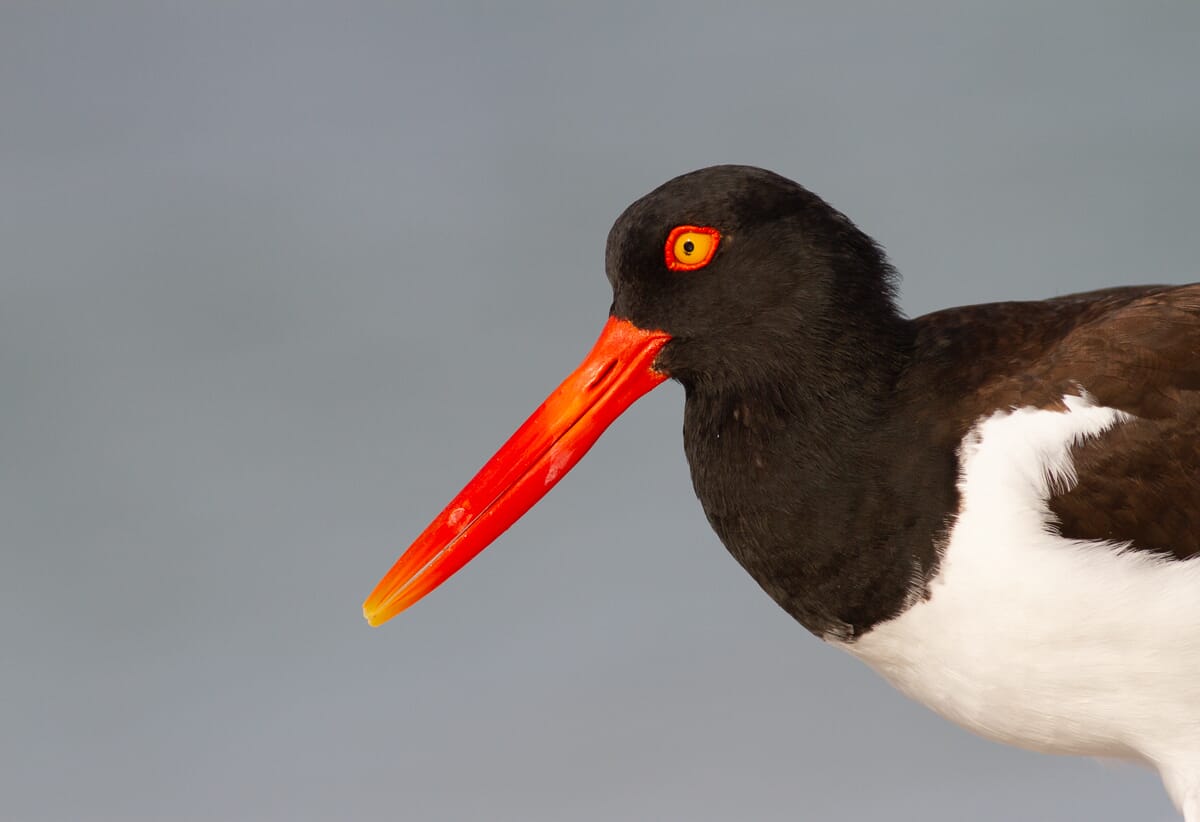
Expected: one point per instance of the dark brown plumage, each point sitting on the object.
(1133, 348)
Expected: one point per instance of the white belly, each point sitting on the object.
(1038, 641)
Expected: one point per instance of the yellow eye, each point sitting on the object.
(690, 247)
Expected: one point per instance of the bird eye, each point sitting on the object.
(690, 247)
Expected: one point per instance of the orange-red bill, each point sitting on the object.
(618, 371)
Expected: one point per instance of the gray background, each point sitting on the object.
(275, 279)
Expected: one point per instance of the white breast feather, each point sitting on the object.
(1051, 644)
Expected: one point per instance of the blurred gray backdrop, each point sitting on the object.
(276, 278)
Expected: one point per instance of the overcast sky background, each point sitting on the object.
(276, 278)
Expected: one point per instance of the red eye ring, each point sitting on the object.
(690, 247)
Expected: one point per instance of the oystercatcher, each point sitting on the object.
(996, 507)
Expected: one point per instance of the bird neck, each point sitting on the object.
(815, 481)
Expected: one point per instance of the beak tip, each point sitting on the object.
(377, 611)
(372, 617)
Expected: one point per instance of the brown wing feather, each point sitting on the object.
(1136, 349)
(1140, 481)
(1143, 357)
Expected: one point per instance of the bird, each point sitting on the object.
(996, 507)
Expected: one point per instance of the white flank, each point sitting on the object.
(1034, 640)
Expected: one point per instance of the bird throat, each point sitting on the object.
(815, 490)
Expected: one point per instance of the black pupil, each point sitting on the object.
(688, 246)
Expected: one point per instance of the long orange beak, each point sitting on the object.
(618, 370)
